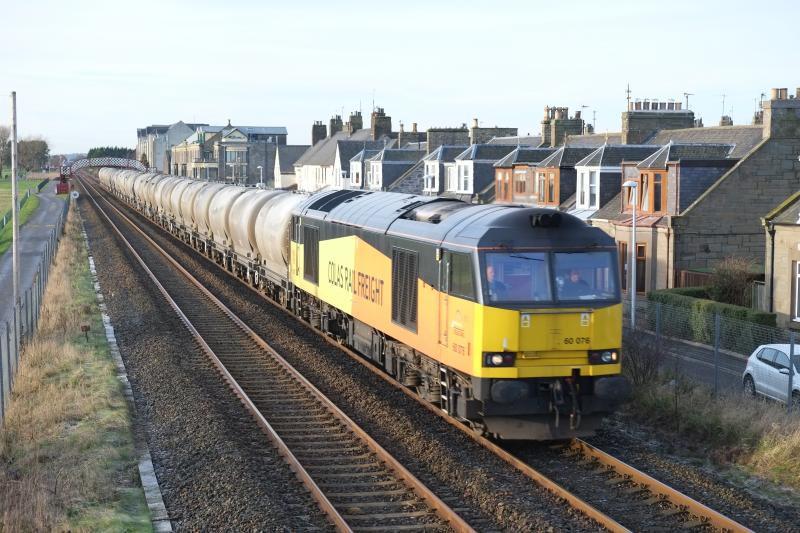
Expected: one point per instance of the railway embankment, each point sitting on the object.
(754, 443)
(67, 455)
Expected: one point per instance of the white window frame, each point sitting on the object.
(594, 189)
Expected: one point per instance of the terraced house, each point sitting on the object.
(231, 153)
(515, 176)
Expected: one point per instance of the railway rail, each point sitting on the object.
(634, 495)
(357, 483)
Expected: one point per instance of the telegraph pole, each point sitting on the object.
(14, 206)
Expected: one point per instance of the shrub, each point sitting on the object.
(641, 359)
(692, 318)
(730, 281)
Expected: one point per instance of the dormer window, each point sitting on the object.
(652, 192)
(588, 188)
(548, 181)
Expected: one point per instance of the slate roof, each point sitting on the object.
(612, 155)
(288, 154)
(324, 152)
(363, 155)
(445, 153)
(485, 152)
(530, 140)
(566, 156)
(611, 210)
(348, 149)
(524, 155)
(388, 155)
(673, 152)
(405, 175)
(743, 138)
(593, 140)
(788, 212)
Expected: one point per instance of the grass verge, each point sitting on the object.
(731, 429)
(67, 458)
(6, 234)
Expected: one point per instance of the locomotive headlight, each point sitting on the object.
(499, 359)
(600, 357)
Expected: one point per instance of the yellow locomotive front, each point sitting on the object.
(542, 333)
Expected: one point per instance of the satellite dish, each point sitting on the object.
(74, 195)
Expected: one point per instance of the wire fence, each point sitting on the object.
(717, 346)
(19, 331)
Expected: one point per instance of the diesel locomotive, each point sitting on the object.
(508, 318)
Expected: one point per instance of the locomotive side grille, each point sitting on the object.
(311, 254)
(405, 265)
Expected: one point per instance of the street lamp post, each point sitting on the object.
(632, 187)
(260, 176)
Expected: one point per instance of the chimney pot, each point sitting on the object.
(414, 127)
(474, 122)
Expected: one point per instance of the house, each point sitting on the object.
(388, 165)
(473, 178)
(153, 143)
(437, 164)
(782, 262)
(358, 168)
(555, 176)
(345, 151)
(599, 175)
(285, 157)
(668, 185)
(232, 153)
(515, 175)
(327, 163)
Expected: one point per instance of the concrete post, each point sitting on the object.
(14, 206)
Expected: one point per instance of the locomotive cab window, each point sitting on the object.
(517, 277)
(462, 282)
(585, 276)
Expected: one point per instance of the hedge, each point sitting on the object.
(689, 314)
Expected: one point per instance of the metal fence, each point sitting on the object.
(18, 331)
(718, 345)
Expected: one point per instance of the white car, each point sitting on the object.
(767, 373)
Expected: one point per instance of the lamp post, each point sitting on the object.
(633, 186)
(260, 176)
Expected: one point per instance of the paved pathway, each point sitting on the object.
(33, 237)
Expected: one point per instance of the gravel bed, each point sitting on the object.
(698, 479)
(217, 471)
(439, 455)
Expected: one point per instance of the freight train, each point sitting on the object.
(508, 318)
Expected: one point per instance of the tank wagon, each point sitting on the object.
(508, 318)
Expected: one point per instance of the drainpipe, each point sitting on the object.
(771, 231)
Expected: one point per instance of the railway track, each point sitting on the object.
(358, 485)
(628, 500)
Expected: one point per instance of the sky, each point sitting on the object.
(89, 73)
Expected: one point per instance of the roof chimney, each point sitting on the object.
(474, 122)
(414, 124)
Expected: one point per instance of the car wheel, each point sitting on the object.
(749, 386)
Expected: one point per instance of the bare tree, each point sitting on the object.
(5, 146)
(33, 153)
